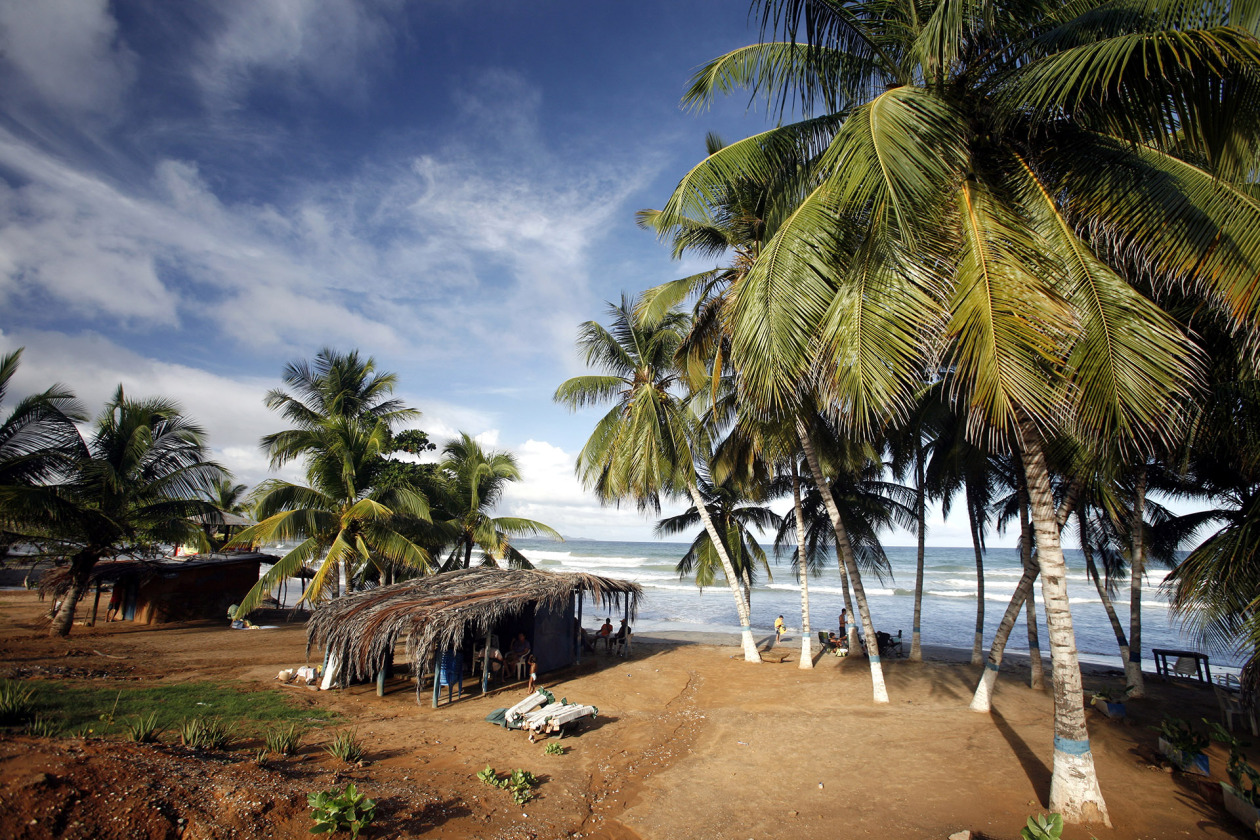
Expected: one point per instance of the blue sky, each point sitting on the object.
(193, 194)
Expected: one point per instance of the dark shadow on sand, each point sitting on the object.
(1036, 770)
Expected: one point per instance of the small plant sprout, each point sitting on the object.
(261, 755)
(553, 749)
(143, 729)
(345, 747)
(340, 810)
(284, 742)
(43, 727)
(17, 704)
(1043, 827)
(520, 783)
(205, 733)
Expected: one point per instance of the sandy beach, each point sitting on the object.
(690, 743)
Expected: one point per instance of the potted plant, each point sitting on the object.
(1110, 701)
(1242, 793)
(1183, 746)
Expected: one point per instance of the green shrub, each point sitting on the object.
(43, 727)
(1043, 827)
(143, 729)
(337, 810)
(345, 747)
(1181, 736)
(553, 749)
(1244, 778)
(205, 733)
(284, 741)
(520, 783)
(17, 703)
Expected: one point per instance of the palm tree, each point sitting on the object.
(733, 512)
(475, 481)
(645, 445)
(340, 519)
(137, 482)
(34, 437)
(343, 416)
(990, 162)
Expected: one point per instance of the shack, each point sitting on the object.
(456, 612)
(164, 590)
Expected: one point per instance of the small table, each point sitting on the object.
(1202, 670)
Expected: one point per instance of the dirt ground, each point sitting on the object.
(690, 743)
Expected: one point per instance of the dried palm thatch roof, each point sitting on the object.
(433, 613)
(57, 581)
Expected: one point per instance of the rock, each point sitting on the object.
(960, 835)
(791, 813)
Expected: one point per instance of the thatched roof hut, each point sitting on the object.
(439, 612)
(163, 590)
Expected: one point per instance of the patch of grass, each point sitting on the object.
(165, 707)
(205, 733)
(42, 727)
(17, 702)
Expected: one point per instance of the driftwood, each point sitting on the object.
(434, 613)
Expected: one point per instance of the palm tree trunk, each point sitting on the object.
(745, 577)
(1092, 571)
(1074, 791)
(741, 606)
(982, 700)
(850, 626)
(1137, 571)
(80, 569)
(468, 553)
(1036, 676)
(977, 646)
(807, 643)
(916, 653)
(850, 562)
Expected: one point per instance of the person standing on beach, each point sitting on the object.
(844, 623)
(779, 628)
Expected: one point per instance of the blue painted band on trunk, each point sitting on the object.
(916, 630)
(1135, 656)
(874, 659)
(1070, 747)
(992, 666)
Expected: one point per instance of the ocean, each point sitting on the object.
(949, 597)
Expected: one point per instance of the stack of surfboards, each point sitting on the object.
(541, 712)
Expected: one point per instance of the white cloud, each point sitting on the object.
(230, 410)
(328, 44)
(65, 53)
(550, 493)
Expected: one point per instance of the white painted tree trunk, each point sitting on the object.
(879, 690)
(982, 700)
(1074, 790)
(1137, 572)
(807, 642)
(732, 580)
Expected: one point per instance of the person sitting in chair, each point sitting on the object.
(605, 633)
(623, 638)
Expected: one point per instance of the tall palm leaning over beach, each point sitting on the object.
(645, 445)
(993, 161)
(474, 483)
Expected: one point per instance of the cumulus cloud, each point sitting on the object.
(64, 53)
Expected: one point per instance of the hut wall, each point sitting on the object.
(553, 637)
(202, 591)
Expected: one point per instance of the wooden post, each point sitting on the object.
(579, 621)
(485, 664)
(96, 602)
(380, 683)
(437, 678)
